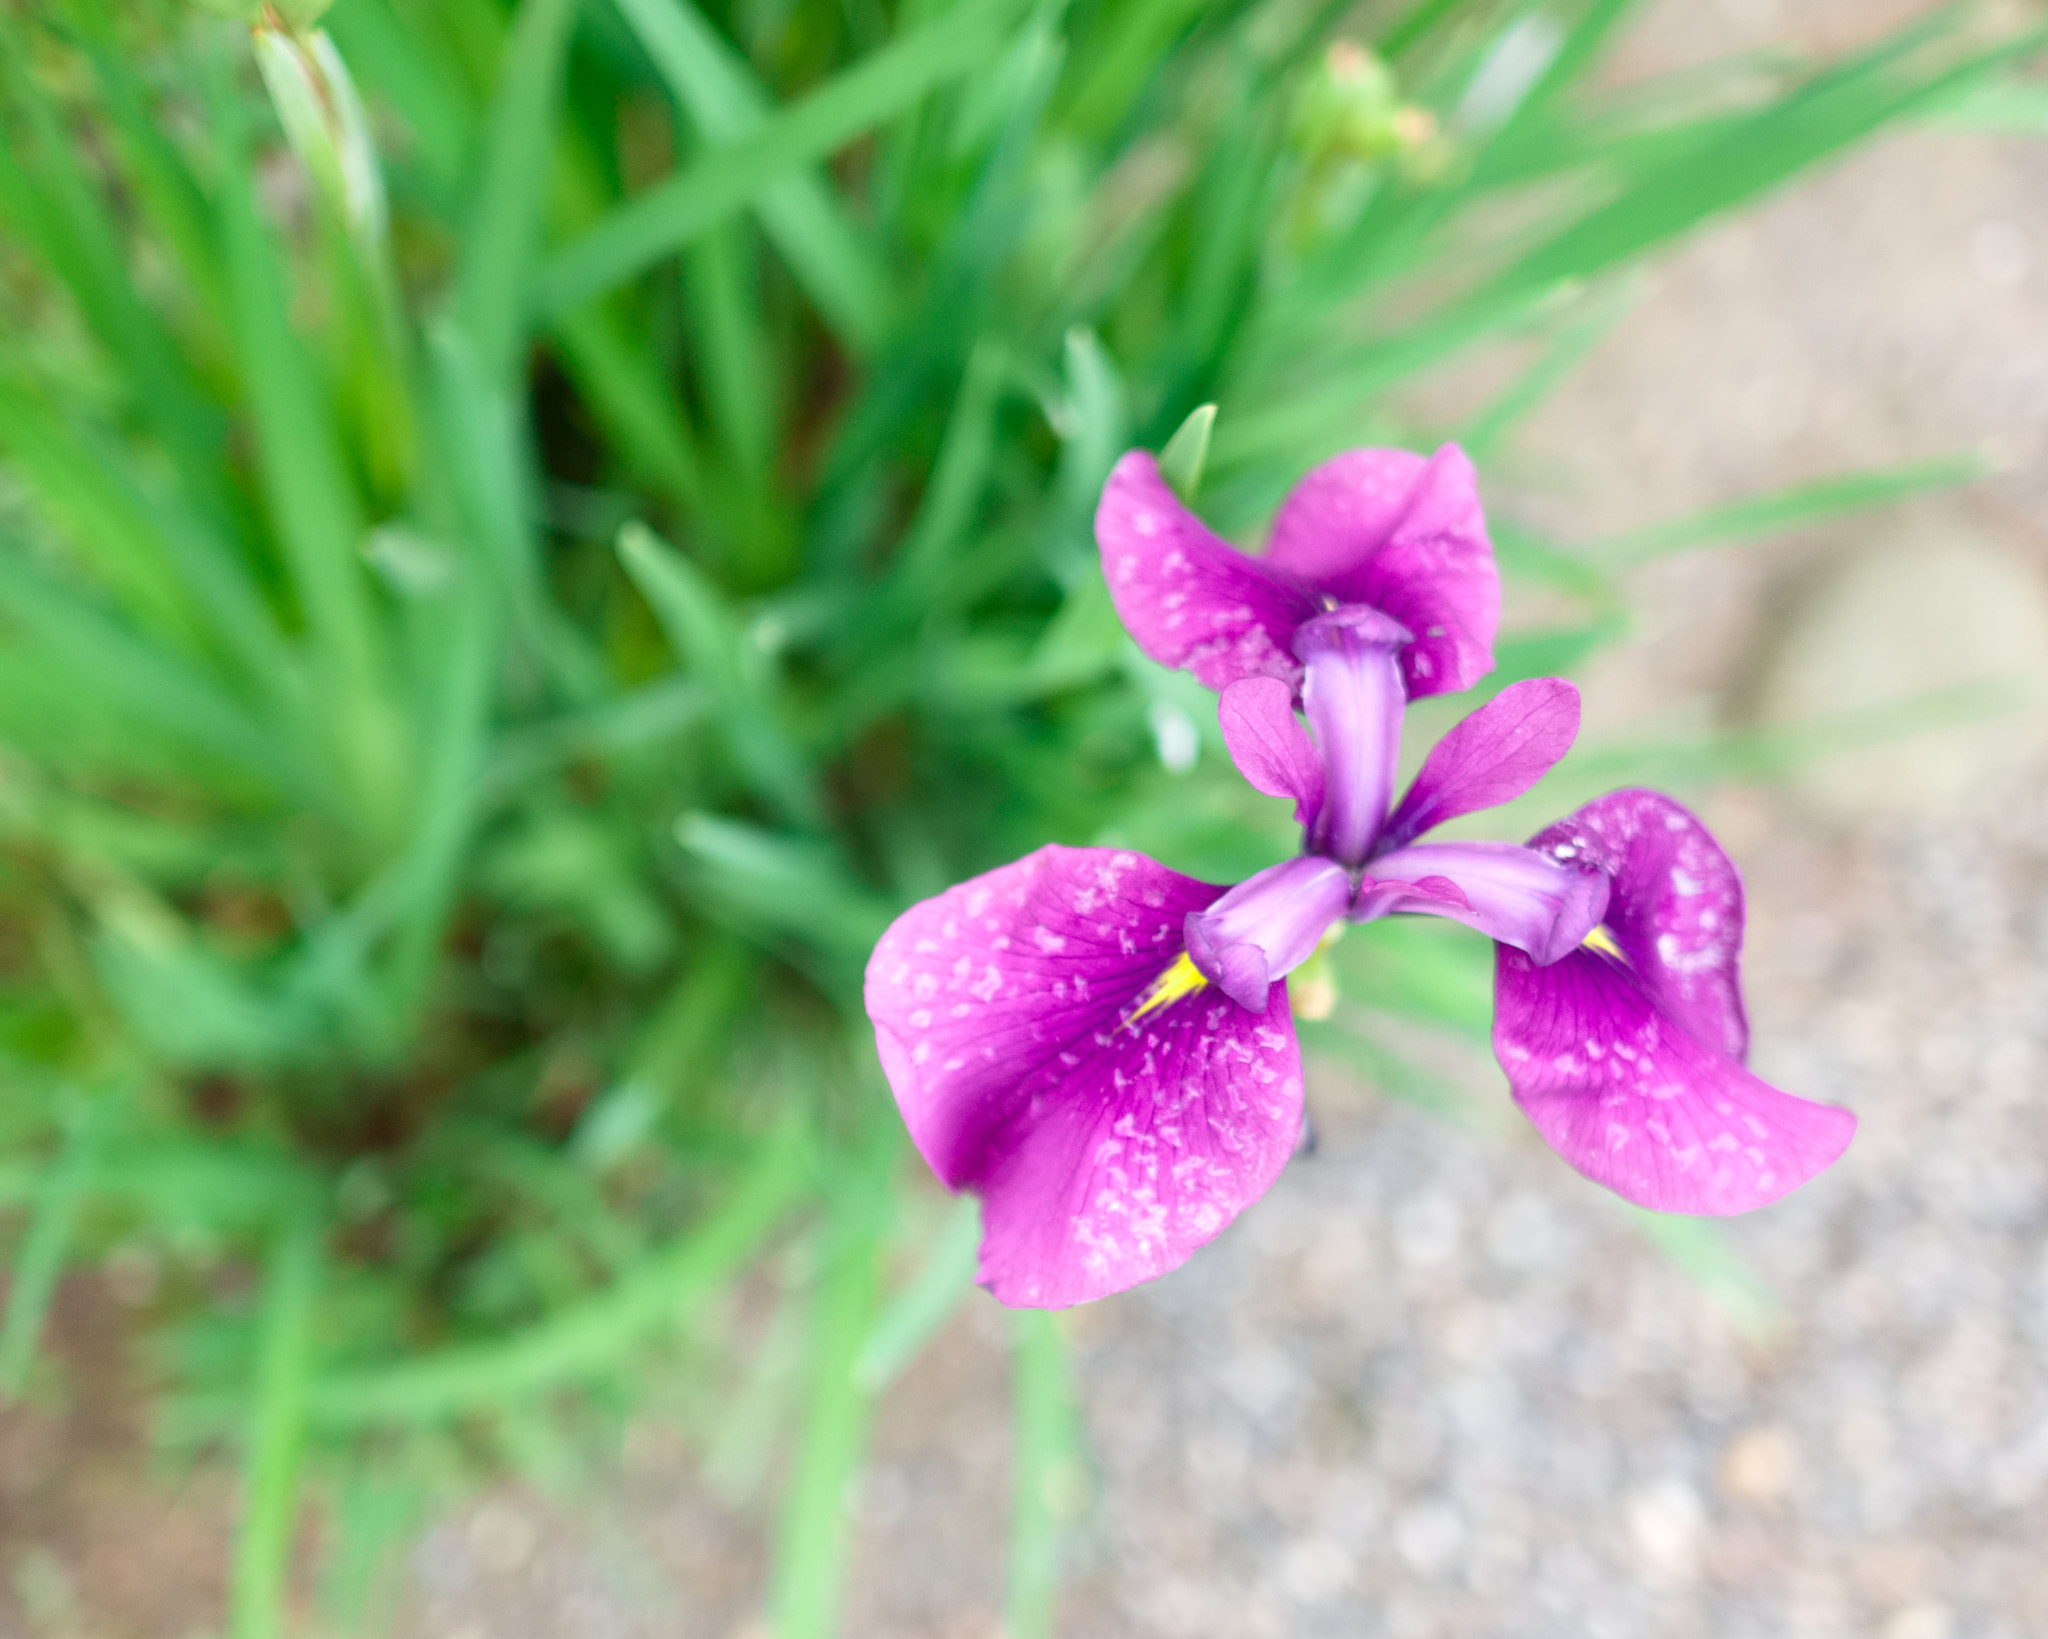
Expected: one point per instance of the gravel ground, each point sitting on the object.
(1435, 1384)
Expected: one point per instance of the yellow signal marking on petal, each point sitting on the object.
(1603, 941)
(1182, 979)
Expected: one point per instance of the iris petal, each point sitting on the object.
(1108, 1141)
(1353, 698)
(1490, 757)
(1632, 1099)
(1676, 910)
(1280, 914)
(1188, 598)
(1269, 746)
(1408, 537)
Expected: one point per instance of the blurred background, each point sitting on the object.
(530, 531)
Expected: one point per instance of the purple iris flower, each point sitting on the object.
(1101, 1047)
(1627, 1053)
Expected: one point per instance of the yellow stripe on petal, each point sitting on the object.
(1603, 941)
(1182, 979)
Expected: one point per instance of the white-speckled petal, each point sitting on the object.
(1188, 598)
(1404, 535)
(1632, 1099)
(1675, 910)
(1107, 1141)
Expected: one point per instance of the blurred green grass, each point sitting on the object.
(507, 583)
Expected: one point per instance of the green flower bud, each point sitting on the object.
(323, 119)
(1351, 108)
(292, 16)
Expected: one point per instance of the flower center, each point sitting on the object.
(1599, 939)
(1181, 979)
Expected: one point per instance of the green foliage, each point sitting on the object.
(519, 556)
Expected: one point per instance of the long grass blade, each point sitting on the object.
(1836, 108)
(947, 511)
(730, 179)
(810, 1547)
(1699, 1251)
(707, 634)
(61, 214)
(799, 212)
(285, 1364)
(47, 1244)
(505, 231)
(635, 403)
(310, 494)
(116, 669)
(1798, 508)
(590, 1336)
(1049, 1479)
(914, 1315)
(1564, 351)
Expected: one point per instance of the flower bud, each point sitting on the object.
(1351, 108)
(293, 16)
(322, 116)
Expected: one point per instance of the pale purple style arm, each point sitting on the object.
(1351, 692)
(1510, 893)
(1628, 1058)
(1267, 926)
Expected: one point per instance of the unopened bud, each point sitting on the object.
(294, 16)
(1351, 108)
(322, 116)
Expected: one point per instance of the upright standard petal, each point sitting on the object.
(1490, 757)
(1509, 893)
(1188, 598)
(1626, 1053)
(1051, 1048)
(1408, 537)
(1269, 746)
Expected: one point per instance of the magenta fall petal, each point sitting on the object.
(1676, 906)
(1105, 1149)
(1630, 1064)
